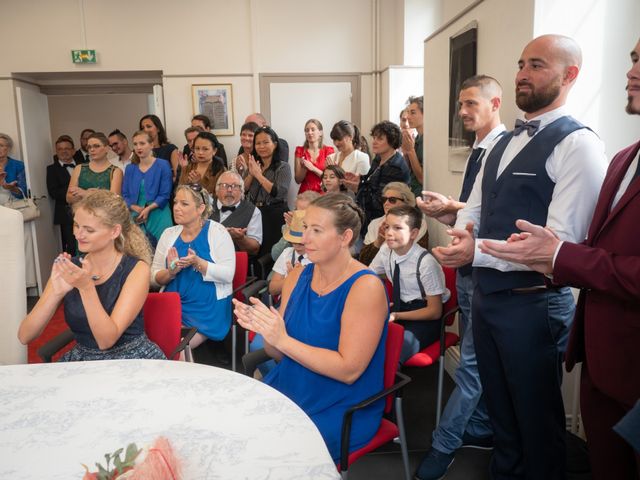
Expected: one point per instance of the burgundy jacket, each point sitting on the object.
(606, 266)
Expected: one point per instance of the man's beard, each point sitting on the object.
(537, 99)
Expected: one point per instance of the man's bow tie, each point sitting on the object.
(531, 127)
(225, 208)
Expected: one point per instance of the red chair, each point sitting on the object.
(393, 382)
(240, 281)
(163, 324)
(434, 352)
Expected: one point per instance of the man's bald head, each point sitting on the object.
(565, 49)
(256, 118)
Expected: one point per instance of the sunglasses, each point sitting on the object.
(196, 187)
(392, 200)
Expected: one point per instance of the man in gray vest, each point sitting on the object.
(465, 421)
(242, 219)
(548, 170)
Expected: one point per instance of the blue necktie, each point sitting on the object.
(531, 127)
(637, 174)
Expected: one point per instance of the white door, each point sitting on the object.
(292, 104)
(35, 133)
(158, 104)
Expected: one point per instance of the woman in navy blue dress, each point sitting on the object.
(329, 333)
(104, 291)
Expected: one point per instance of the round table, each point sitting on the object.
(222, 425)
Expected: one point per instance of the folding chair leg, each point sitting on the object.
(233, 347)
(440, 382)
(246, 342)
(403, 438)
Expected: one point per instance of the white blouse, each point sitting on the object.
(356, 162)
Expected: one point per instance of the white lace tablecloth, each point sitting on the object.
(222, 425)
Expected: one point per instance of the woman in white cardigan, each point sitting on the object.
(196, 258)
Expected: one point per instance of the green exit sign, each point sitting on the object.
(83, 56)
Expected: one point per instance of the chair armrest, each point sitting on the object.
(251, 360)
(443, 323)
(401, 381)
(248, 282)
(186, 334)
(57, 343)
(254, 289)
(265, 262)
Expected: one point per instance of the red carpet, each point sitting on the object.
(55, 326)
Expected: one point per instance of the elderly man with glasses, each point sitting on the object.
(241, 218)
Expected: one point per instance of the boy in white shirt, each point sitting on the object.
(418, 280)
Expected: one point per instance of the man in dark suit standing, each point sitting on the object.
(58, 176)
(82, 154)
(606, 329)
(548, 170)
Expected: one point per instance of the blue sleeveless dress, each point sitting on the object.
(201, 307)
(315, 320)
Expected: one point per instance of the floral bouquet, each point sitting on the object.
(158, 462)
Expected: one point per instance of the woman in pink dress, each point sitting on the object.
(311, 157)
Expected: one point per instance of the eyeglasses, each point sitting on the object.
(232, 186)
(392, 200)
(196, 187)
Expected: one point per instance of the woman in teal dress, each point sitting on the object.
(98, 174)
(330, 331)
(147, 187)
(197, 259)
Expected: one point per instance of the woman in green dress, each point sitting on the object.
(98, 174)
(147, 187)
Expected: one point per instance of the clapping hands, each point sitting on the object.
(261, 319)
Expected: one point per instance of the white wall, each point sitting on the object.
(12, 297)
(606, 36)
(404, 82)
(9, 117)
(70, 114)
(179, 110)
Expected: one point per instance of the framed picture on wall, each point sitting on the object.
(463, 47)
(216, 102)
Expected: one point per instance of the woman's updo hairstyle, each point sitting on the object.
(346, 213)
(111, 210)
(345, 128)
